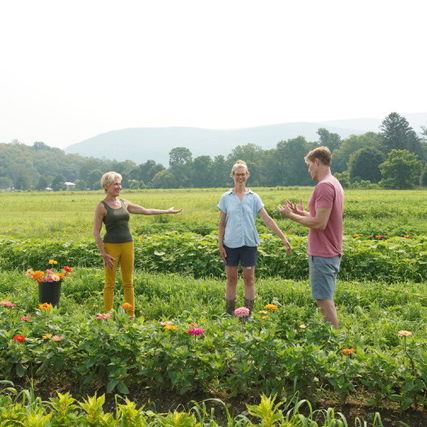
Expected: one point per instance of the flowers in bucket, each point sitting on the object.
(49, 275)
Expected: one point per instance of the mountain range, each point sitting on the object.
(155, 143)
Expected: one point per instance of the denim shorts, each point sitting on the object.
(323, 274)
(247, 255)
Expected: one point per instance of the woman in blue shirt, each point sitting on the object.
(238, 236)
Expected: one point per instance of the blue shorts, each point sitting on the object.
(323, 274)
(247, 255)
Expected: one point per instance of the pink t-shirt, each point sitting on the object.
(328, 193)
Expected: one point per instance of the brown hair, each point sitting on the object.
(322, 153)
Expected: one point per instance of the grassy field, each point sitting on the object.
(70, 214)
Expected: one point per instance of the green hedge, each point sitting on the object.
(392, 260)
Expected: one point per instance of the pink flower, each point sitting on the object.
(241, 312)
(7, 303)
(57, 338)
(26, 318)
(101, 316)
(195, 331)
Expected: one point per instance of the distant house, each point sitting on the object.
(69, 185)
(48, 189)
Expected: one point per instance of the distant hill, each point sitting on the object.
(142, 144)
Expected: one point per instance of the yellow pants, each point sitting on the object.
(123, 254)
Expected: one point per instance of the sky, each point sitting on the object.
(70, 70)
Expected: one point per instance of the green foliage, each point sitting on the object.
(402, 169)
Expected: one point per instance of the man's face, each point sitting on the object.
(313, 167)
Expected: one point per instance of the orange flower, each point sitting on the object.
(61, 276)
(348, 351)
(127, 306)
(45, 306)
(271, 307)
(37, 275)
(66, 269)
(171, 327)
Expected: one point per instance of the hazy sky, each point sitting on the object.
(70, 70)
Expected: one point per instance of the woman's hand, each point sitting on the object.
(108, 260)
(173, 211)
(288, 246)
(223, 253)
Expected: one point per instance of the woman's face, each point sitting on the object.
(240, 175)
(114, 188)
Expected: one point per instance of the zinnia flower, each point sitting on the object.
(271, 307)
(195, 331)
(356, 235)
(57, 338)
(55, 277)
(19, 338)
(47, 336)
(67, 269)
(6, 303)
(38, 275)
(404, 333)
(348, 351)
(167, 322)
(29, 272)
(264, 317)
(26, 318)
(241, 312)
(52, 262)
(45, 306)
(101, 316)
(171, 327)
(127, 306)
(263, 312)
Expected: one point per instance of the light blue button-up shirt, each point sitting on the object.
(240, 218)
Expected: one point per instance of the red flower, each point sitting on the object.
(19, 338)
(67, 269)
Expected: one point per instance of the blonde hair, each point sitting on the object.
(108, 179)
(239, 163)
(322, 153)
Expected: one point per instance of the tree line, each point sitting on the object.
(394, 157)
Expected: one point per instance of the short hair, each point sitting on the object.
(322, 153)
(108, 178)
(238, 164)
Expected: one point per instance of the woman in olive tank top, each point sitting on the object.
(117, 245)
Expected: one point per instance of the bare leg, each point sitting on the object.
(327, 307)
(231, 287)
(249, 281)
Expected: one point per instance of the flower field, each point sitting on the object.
(183, 349)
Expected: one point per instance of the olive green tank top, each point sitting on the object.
(117, 224)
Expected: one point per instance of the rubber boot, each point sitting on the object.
(230, 306)
(249, 303)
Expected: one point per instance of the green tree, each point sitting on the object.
(397, 134)
(93, 179)
(202, 172)
(42, 183)
(221, 169)
(58, 183)
(364, 164)
(180, 162)
(80, 184)
(164, 179)
(350, 145)
(402, 169)
(5, 183)
(329, 139)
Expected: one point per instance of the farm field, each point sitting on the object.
(369, 370)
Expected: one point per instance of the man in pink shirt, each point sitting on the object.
(325, 223)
